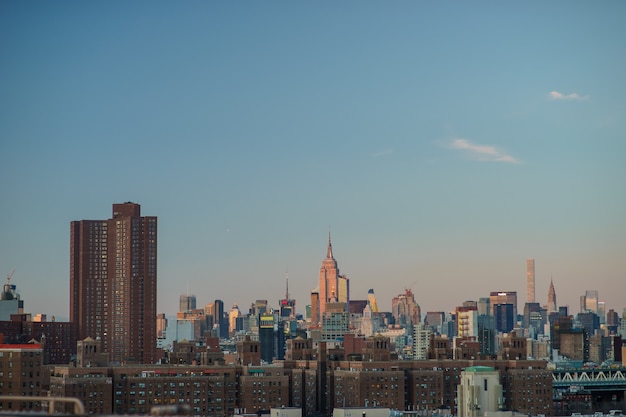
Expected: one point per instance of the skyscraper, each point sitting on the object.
(484, 306)
(404, 308)
(287, 305)
(113, 278)
(187, 302)
(333, 287)
(503, 297)
(371, 297)
(233, 315)
(503, 314)
(552, 306)
(219, 319)
(589, 302)
(530, 280)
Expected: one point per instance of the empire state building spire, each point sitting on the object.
(329, 253)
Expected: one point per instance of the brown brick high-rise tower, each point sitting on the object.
(113, 277)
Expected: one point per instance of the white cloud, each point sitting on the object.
(555, 95)
(482, 152)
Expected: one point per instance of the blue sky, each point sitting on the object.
(443, 142)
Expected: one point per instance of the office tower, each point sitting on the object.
(161, 326)
(487, 334)
(233, 315)
(484, 306)
(113, 282)
(551, 298)
(589, 301)
(503, 314)
(266, 336)
(271, 337)
(333, 287)
(258, 307)
(449, 327)
(622, 331)
(602, 311)
(219, 319)
(404, 309)
(335, 322)
(504, 297)
(533, 319)
(315, 308)
(589, 321)
(371, 297)
(530, 280)
(612, 318)
(343, 294)
(370, 322)
(187, 303)
(190, 325)
(435, 320)
(209, 319)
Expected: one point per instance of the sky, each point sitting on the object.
(443, 144)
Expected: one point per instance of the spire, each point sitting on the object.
(329, 253)
(551, 296)
(287, 290)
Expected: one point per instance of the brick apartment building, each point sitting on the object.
(21, 374)
(113, 275)
(312, 378)
(57, 339)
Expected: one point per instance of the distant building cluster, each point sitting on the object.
(118, 355)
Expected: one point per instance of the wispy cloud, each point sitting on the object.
(383, 152)
(482, 152)
(555, 95)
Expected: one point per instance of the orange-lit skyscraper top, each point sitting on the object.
(530, 280)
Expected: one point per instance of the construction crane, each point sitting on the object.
(7, 289)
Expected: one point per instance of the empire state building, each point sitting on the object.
(333, 288)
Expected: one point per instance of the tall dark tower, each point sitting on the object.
(113, 282)
(218, 318)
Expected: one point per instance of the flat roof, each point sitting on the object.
(480, 369)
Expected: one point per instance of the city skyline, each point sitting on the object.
(275, 304)
(444, 145)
